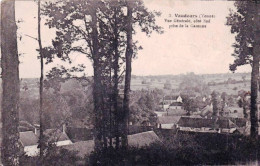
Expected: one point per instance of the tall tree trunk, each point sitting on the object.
(115, 79)
(1, 98)
(244, 102)
(41, 139)
(128, 57)
(254, 96)
(110, 107)
(255, 76)
(97, 88)
(10, 84)
(110, 103)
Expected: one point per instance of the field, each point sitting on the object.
(153, 82)
(242, 82)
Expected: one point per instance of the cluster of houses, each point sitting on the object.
(173, 116)
(171, 102)
(76, 139)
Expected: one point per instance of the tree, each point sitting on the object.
(41, 137)
(245, 24)
(10, 84)
(102, 35)
(223, 102)
(190, 105)
(128, 57)
(143, 105)
(245, 104)
(215, 103)
(193, 83)
(97, 89)
(62, 16)
(146, 21)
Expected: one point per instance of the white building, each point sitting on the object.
(29, 140)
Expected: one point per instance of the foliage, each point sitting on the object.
(72, 103)
(11, 86)
(245, 24)
(97, 30)
(190, 105)
(143, 104)
(167, 85)
(215, 102)
(183, 149)
(72, 21)
(244, 103)
(192, 83)
(223, 102)
(53, 156)
(241, 22)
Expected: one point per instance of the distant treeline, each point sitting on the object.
(229, 81)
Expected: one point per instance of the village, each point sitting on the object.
(173, 116)
(101, 82)
(216, 113)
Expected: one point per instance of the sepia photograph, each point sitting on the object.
(129, 82)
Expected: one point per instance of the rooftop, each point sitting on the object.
(175, 112)
(28, 138)
(82, 147)
(176, 104)
(142, 139)
(56, 135)
(137, 140)
(209, 123)
(168, 119)
(171, 97)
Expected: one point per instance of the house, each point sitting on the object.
(176, 105)
(241, 124)
(195, 124)
(171, 102)
(172, 99)
(60, 138)
(159, 113)
(233, 112)
(167, 122)
(195, 116)
(142, 139)
(133, 129)
(29, 142)
(225, 126)
(84, 148)
(164, 105)
(25, 126)
(206, 125)
(175, 112)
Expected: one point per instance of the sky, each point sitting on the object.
(176, 51)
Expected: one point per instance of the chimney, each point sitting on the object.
(35, 131)
(64, 128)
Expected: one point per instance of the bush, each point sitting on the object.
(55, 156)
